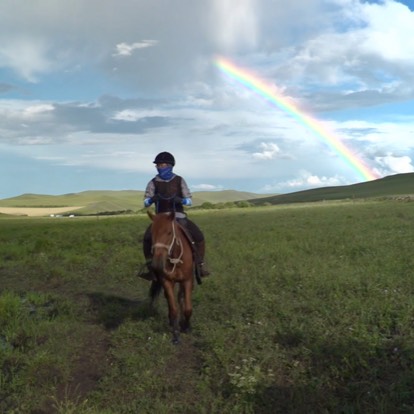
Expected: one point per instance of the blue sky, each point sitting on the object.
(91, 91)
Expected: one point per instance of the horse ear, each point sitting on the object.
(150, 215)
(172, 215)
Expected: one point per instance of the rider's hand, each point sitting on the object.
(148, 201)
(178, 200)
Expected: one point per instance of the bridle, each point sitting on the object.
(175, 240)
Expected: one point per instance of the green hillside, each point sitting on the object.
(72, 199)
(94, 202)
(391, 186)
(224, 196)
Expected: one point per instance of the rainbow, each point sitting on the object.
(268, 92)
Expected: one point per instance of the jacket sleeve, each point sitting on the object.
(184, 189)
(150, 190)
(149, 194)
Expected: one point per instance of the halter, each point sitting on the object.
(175, 240)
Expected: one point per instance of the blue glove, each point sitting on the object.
(187, 202)
(148, 201)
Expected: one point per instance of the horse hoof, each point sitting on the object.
(175, 341)
(186, 330)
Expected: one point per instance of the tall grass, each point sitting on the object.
(309, 309)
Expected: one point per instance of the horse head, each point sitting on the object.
(163, 239)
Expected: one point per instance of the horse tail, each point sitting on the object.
(155, 289)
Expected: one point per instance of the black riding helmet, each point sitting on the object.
(164, 157)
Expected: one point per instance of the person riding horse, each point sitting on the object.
(169, 192)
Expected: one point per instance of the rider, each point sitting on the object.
(169, 192)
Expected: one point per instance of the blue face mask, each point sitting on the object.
(166, 173)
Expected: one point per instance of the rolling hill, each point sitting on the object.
(98, 202)
(390, 186)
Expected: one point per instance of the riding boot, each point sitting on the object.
(146, 271)
(200, 248)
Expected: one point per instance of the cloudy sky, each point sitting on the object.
(92, 90)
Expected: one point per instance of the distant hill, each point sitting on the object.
(92, 201)
(391, 186)
(200, 197)
(98, 202)
(95, 202)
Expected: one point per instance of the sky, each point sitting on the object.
(92, 90)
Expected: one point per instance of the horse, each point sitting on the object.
(172, 263)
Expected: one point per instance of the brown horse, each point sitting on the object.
(172, 263)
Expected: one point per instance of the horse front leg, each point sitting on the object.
(172, 311)
(186, 307)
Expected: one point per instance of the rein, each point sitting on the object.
(175, 240)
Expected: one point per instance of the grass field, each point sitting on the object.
(309, 310)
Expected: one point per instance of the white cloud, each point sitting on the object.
(389, 25)
(166, 94)
(125, 49)
(38, 109)
(234, 27)
(133, 115)
(363, 59)
(306, 179)
(396, 165)
(381, 134)
(269, 151)
(27, 56)
(206, 187)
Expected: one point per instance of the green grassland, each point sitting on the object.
(309, 309)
